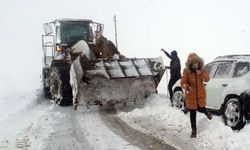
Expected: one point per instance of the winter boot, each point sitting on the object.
(209, 115)
(184, 110)
(171, 101)
(193, 134)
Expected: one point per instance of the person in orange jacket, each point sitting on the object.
(192, 81)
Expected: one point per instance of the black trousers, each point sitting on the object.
(171, 83)
(193, 115)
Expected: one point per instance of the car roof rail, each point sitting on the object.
(233, 57)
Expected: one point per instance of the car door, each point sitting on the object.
(219, 80)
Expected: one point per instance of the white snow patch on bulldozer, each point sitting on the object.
(76, 75)
(83, 48)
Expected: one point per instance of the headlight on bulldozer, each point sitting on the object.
(58, 48)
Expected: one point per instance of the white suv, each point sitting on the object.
(227, 90)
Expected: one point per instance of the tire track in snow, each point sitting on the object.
(4, 145)
(135, 137)
(67, 132)
(23, 139)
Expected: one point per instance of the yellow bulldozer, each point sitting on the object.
(80, 64)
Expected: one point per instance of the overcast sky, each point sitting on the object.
(207, 27)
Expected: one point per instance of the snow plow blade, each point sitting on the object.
(116, 81)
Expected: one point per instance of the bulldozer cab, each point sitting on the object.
(64, 33)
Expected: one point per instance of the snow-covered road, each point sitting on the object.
(44, 125)
(48, 126)
(133, 136)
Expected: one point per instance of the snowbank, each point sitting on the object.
(172, 126)
(18, 90)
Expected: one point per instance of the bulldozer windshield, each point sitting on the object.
(71, 32)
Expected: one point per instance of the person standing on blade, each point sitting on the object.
(175, 71)
(195, 94)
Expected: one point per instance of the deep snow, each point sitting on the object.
(156, 118)
(171, 125)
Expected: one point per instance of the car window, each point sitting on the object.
(241, 68)
(209, 67)
(223, 70)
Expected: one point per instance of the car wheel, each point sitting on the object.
(233, 114)
(178, 99)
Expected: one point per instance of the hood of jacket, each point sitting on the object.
(192, 58)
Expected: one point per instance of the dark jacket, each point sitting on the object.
(175, 65)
